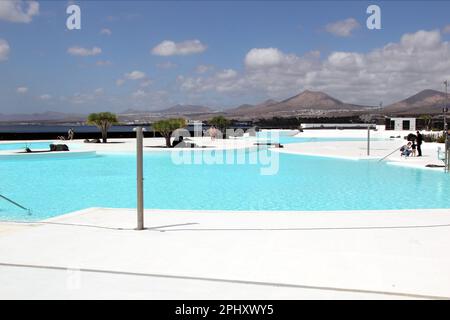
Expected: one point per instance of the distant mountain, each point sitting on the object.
(133, 111)
(246, 108)
(312, 101)
(307, 103)
(426, 101)
(45, 116)
(185, 109)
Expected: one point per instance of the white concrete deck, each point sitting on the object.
(382, 146)
(357, 150)
(230, 255)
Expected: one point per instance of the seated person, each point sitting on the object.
(406, 150)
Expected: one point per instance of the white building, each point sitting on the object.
(398, 124)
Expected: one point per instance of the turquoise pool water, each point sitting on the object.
(23, 145)
(288, 139)
(53, 187)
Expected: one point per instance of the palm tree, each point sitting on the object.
(167, 127)
(220, 122)
(428, 120)
(103, 121)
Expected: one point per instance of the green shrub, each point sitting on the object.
(440, 138)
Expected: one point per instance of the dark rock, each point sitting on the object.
(59, 147)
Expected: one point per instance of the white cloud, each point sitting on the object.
(22, 90)
(417, 61)
(18, 10)
(170, 48)
(45, 97)
(135, 75)
(265, 57)
(227, 74)
(343, 28)
(166, 65)
(84, 52)
(223, 81)
(106, 32)
(4, 50)
(346, 61)
(421, 40)
(203, 68)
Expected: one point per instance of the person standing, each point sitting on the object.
(71, 134)
(414, 148)
(419, 143)
(213, 132)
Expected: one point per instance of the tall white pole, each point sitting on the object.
(445, 127)
(368, 140)
(140, 177)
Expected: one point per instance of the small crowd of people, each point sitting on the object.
(414, 147)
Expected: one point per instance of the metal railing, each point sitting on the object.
(16, 204)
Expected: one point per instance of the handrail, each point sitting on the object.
(15, 203)
(396, 149)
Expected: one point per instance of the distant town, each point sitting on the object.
(310, 106)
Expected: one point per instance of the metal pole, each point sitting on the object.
(368, 140)
(445, 127)
(140, 177)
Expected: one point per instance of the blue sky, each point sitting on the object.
(219, 53)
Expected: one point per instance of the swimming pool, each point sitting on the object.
(23, 145)
(283, 139)
(53, 187)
